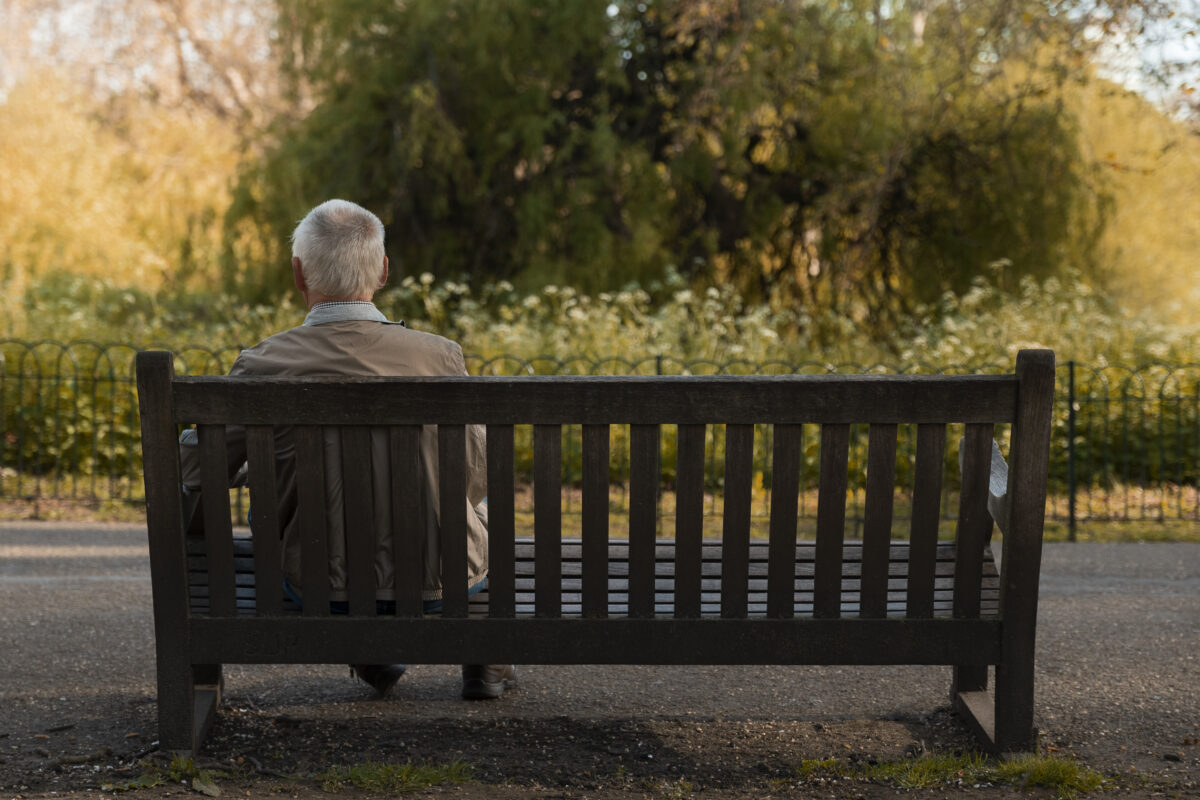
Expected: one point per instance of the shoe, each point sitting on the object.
(381, 676)
(487, 681)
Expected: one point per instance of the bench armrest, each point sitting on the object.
(997, 502)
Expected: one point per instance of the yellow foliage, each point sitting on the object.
(128, 191)
(1152, 169)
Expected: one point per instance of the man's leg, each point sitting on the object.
(487, 681)
(381, 677)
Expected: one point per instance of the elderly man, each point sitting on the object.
(338, 264)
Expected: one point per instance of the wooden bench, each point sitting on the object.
(604, 598)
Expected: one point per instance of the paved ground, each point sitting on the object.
(1118, 669)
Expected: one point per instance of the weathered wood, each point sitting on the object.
(831, 517)
(926, 514)
(595, 520)
(564, 400)
(452, 520)
(535, 640)
(689, 519)
(168, 565)
(359, 506)
(214, 497)
(971, 535)
(877, 524)
(643, 516)
(785, 492)
(501, 519)
(264, 520)
(547, 516)
(408, 517)
(1022, 559)
(735, 536)
(314, 535)
(602, 599)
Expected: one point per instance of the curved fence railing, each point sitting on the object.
(1126, 440)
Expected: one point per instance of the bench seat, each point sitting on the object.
(664, 583)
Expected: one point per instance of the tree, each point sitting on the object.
(854, 154)
(214, 56)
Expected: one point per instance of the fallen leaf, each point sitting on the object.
(206, 787)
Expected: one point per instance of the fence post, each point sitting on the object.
(1071, 451)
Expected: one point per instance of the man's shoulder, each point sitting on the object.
(354, 347)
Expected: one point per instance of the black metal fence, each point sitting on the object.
(1126, 443)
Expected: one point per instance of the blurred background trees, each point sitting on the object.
(855, 156)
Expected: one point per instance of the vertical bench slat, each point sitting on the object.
(314, 538)
(501, 522)
(877, 525)
(735, 533)
(781, 547)
(595, 520)
(358, 505)
(831, 521)
(926, 514)
(689, 519)
(547, 520)
(408, 518)
(974, 522)
(218, 533)
(452, 497)
(973, 530)
(643, 516)
(264, 520)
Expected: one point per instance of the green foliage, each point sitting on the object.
(827, 156)
(395, 778)
(70, 413)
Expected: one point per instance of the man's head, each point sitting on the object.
(337, 253)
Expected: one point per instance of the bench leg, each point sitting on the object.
(1003, 724)
(176, 708)
(188, 698)
(969, 678)
(1014, 708)
(970, 698)
(209, 676)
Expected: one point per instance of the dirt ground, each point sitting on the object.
(260, 752)
(1118, 691)
(279, 734)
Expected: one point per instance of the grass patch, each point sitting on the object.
(825, 766)
(395, 778)
(1064, 777)
(928, 771)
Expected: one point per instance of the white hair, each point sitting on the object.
(340, 247)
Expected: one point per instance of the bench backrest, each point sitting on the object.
(356, 406)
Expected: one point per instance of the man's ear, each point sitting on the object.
(384, 275)
(298, 275)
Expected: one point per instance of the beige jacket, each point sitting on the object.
(360, 348)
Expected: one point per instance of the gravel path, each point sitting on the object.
(1118, 674)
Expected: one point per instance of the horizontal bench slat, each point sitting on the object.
(598, 400)
(593, 641)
